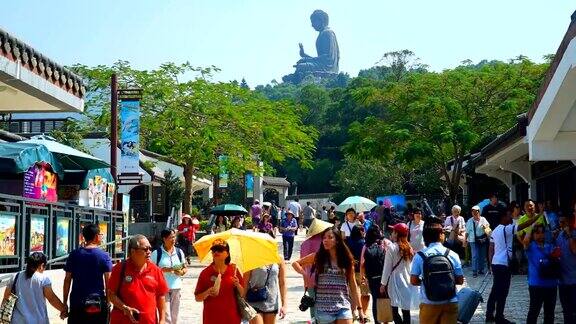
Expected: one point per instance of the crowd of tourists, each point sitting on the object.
(401, 263)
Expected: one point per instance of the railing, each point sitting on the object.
(5, 278)
(29, 225)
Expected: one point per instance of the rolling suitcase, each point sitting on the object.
(469, 299)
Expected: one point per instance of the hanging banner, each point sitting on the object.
(129, 135)
(249, 184)
(223, 181)
(40, 183)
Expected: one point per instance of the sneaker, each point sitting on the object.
(504, 321)
(490, 319)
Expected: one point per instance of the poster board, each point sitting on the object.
(7, 234)
(37, 234)
(62, 236)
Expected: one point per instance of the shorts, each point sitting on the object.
(307, 222)
(364, 290)
(322, 317)
(265, 312)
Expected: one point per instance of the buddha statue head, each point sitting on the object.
(319, 20)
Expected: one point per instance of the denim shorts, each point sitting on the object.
(322, 317)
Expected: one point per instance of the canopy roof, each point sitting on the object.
(70, 158)
(19, 157)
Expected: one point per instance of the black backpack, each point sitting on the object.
(438, 276)
(374, 260)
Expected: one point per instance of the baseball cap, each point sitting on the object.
(476, 208)
(400, 228)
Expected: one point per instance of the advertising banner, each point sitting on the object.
(249, 183)
(62, 236)
(223, 181)
(40, 183)
(129, 136)
(7, 235)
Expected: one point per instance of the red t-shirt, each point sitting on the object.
(138, 290)
(190, 234)
(222, 308)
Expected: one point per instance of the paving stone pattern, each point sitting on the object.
(191, 311)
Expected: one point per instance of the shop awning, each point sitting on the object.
(70, 158)
(19, 157)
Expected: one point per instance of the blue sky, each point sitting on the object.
(258, 39)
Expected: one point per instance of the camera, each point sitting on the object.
(306, 302)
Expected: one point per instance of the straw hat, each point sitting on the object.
(317, 226)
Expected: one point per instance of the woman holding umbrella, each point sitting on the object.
(335, 281)
(216, 287)
(187, 230)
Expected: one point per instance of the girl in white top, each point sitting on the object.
(415, 228)
(396, 275)
(33, 288)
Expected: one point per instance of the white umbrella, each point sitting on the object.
(360, 204)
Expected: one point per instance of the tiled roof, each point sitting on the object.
(17, 51)
(276, 181)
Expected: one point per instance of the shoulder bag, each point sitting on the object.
(260, 294)
(246, 311)
(482, 239)
(8, 305)
(513, 264)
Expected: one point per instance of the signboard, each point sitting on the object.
(7, 235)
(62, 236)
(118, 233)
(37, 234)
(223, 181)
(249, 184)
(40, 183)
(129, 135)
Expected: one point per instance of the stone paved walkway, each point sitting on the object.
(191, 311)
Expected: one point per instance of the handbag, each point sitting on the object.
(513, 263)
(383, 306)
(384, 310)
(7, 306)
(482, 239)
(255, 295)
(246, 311)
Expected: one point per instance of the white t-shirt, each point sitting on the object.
(347, 227)
(416, 237)
(31, 304)
(295, 208)
(501, 246)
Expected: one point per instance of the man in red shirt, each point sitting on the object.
(137, 287)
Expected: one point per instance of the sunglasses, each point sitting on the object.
(218, 248)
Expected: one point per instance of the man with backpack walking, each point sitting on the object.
(171, 260)
(437, 270)
(87, 271)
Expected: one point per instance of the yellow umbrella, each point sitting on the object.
(248, 250)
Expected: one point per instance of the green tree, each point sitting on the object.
(429, 119)
(368, 177)
(194, 120)
(174, 191)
